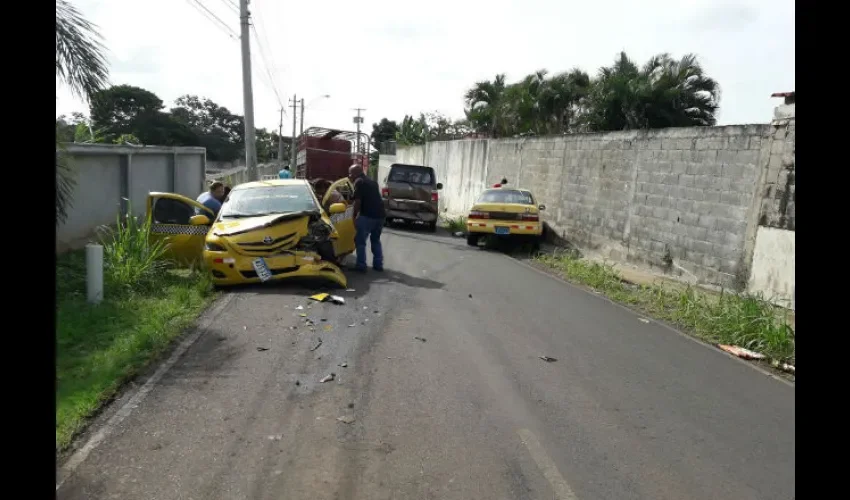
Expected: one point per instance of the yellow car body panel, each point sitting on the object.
(506, 217)
(169, 214)
(229, 247)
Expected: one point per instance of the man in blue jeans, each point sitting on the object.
(369, 217)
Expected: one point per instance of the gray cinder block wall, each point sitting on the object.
(107, 175)
(680, 200)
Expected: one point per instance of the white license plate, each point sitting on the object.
(263, 271)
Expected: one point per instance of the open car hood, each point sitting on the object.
(232, 227)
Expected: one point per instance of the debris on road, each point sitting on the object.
(244, 327)
(365, 307)
(643, 320)
(458, 233)
(548, 359)
(740, 352)
(299, 308)
(350, 290)
(343, 365)
(276, 437)
(351, 405)
(328, 328)
(783, 366)
(421, 339)
(303, 315)
(470, 295)
(320, 297)
(346, 419)
(352, 325)
(328, 378)
(336, 299)
(297, 382)
(261, 349)
(318, 344)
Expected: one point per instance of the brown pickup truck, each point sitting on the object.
(410, 194)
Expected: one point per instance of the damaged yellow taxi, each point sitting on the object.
(265, 230)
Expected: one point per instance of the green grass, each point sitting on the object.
(456, 225)
(147, 304)
(727, 318)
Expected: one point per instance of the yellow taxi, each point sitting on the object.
(266, 230)
(504, 212)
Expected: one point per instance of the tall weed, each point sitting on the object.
(131, 258)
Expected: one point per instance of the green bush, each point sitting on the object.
(131, 258)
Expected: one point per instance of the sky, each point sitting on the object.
(395, 58)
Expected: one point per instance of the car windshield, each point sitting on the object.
(506, 196)
(268, 200)
(411, 174)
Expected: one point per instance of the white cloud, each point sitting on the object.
(394, 58)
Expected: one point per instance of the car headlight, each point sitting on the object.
(214, 247)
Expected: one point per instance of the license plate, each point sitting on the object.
(263, 271)
(503, 230)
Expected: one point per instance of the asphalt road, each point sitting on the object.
(628, 411)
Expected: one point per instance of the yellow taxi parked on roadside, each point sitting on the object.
(504, 212)
(265, 230)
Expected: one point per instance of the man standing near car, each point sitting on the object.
(369, 217)
(212, 199)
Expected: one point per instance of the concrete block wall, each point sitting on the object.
(677, 199)
(108, 175)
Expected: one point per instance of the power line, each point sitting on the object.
(213, 18)
(266, 66)
(232, 5)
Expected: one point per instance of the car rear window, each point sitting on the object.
(411, 174)
(506, 196)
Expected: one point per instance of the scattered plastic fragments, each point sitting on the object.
(343, 365)
(328, 378)
(261, 349)
(783, 366)
(643, 320)
(350, 290)
(740, 352)
(320, 297)
(458, 234)
(421, 339)
(548, 359)
(352, 325)
(303, 315)
(336, 299)
(276, 437)
(346, 419)
(318, 344)
(299, 308)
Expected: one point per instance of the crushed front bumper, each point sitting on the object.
(232, 269)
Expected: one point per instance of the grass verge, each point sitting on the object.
(146, 305)
(457, 224)
(727, 318)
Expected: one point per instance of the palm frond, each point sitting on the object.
(80, 63)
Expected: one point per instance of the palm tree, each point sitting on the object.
(81, 66)
(485, 107)
(664, 93)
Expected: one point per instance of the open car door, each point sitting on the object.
(173, 219)
(343, 222)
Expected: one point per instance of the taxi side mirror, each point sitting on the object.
(199, 220)
(337, 208)
(439, 186)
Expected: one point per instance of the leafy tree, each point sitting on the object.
(266, 145)
(80, 65)
(383, 131)
(485, 107)
(217, 129)
(411, 131)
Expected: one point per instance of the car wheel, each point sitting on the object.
(472, 239)
(432, 227)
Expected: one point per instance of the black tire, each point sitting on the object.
(472, 239)
(432, 227)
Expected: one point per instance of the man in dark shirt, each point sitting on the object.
(369, 217)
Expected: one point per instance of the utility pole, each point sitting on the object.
(302, 117)
(247, 92)
(293, 148)
(358, 120)
(280, 141)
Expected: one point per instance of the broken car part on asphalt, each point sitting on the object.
(421, 339)
(741, 352)
(548, 359)
(318, 344)
(346, 419)
(328, 378)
